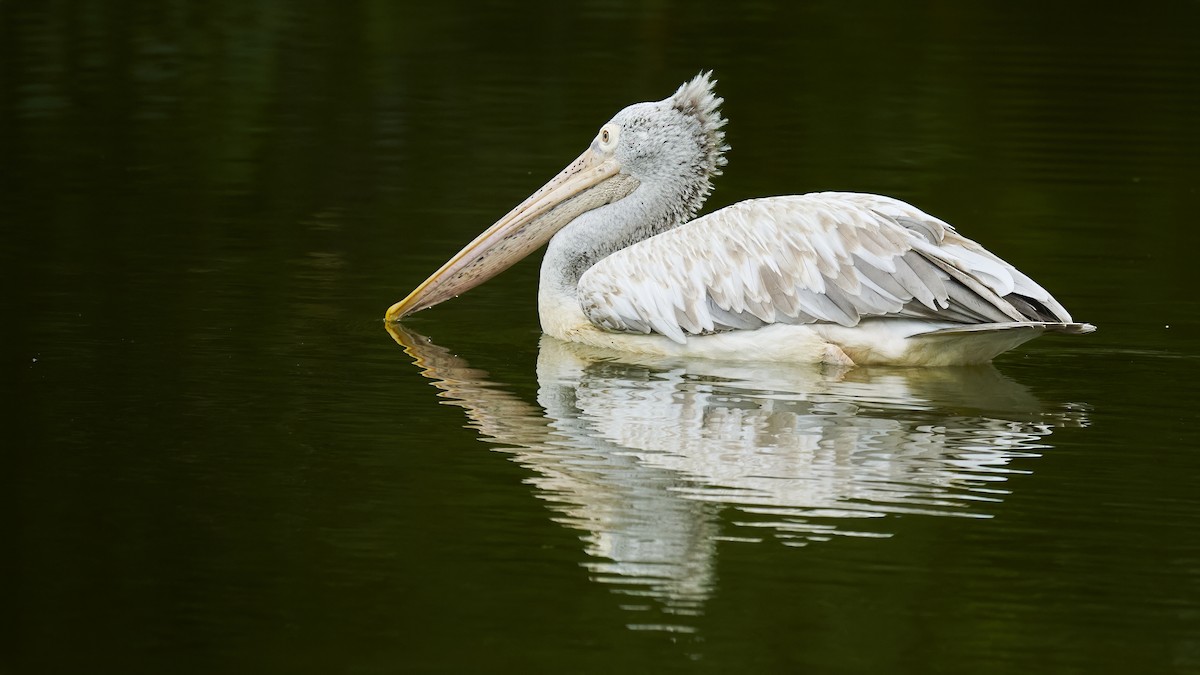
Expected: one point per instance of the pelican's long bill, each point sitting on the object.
(591, 181)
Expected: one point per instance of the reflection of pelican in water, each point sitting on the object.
(642, 456)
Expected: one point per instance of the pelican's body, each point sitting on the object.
(831, 277)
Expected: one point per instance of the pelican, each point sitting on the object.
(832, 277)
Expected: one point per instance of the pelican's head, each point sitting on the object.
(675, 145)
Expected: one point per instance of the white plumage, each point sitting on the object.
(833, 277)
(833, 258)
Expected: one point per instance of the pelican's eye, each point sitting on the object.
(607, 137)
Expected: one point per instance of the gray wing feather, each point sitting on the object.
(818, 258)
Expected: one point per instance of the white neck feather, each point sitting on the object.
(594, 235)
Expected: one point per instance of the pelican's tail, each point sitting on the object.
(912, 342)
(1038, 326)
(980, 343)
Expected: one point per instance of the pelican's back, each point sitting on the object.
(822, 258)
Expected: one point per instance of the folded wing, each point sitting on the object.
(816, 258)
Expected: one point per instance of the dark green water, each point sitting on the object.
(220, 461)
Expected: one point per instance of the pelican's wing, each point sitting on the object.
(816, 258)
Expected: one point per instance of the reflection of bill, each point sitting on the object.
(640, 455)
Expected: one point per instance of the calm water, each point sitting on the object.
(221, 461)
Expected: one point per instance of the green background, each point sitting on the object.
(220, 461)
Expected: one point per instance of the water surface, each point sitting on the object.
(221, 460)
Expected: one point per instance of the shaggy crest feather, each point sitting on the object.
(696, 97)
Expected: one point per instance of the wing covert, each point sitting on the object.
(816, 258)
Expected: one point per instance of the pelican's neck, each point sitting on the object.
(594, 235)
